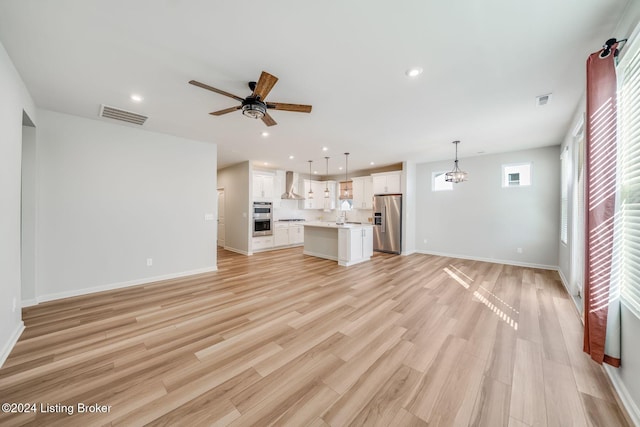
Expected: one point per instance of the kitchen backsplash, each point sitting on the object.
(288, 209)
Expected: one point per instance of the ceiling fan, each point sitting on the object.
(254, 105)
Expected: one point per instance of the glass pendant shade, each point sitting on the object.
(326, 187)
(310, 194)
(346, 186)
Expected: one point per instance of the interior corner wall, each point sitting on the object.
(479, 219)
(237, 189)
(14, 100)
(110, 197)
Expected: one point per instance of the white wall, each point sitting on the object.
(479, 219)
(29, 203)
(237, 192)
(14, 99)
(111, 196)
(409, 187)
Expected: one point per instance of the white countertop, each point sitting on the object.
(328, 224)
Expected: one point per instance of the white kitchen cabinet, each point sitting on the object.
(355, 245)
(367, 242)
(387, 182)
(261, 243)
(281, 234)
(288, 233)
(363, 192)
(318, 194)
(296, 234)
(263, 186)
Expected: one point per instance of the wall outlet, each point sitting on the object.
(15, 305)
(519, 250)
(424, 241)
(209, 217)
(149, 262)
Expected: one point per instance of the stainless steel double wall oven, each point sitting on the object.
(262, 219)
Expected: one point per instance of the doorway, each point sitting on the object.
(221, 217)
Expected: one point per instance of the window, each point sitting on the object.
(438, 182)
(564, 192)
(629, 175)
(516, 175)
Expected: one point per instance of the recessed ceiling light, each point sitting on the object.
(291, 157)
(372, 163)
(413, 72)
(265, 134)
(325, 148)
(136, 98)
(266, 163)
(340, 168)
(315, 172)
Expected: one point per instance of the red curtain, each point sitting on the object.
(600, 194)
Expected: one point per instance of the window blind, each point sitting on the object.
(629, 162)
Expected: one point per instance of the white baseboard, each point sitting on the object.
(112, 286)
(623, 394)
(29, 302)
(6, 350)
(238, 251)
(409, 252)
(495, 261)
(564, 281)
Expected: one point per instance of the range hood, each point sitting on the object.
(289, 193)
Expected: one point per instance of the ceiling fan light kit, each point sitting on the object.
(254, 105)
(456, 175)
(254, 108)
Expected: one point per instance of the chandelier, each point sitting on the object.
(456, 175)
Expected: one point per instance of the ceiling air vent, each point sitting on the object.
(122, 115)
(543, 99)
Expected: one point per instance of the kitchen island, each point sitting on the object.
(348, 244)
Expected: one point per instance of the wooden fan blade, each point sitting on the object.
(266, 82)
(268, 120)
(226, 110)
(213, 89)
(289, 107)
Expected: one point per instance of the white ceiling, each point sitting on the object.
(484, 63)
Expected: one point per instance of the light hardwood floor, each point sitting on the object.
(286, 339)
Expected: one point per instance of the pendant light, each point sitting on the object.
(346, 186)
(456, 175)
(326, 188)
(310, 195)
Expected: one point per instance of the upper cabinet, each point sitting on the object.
(387, 182)
(363, 192)
(319, 201)
(263, 186)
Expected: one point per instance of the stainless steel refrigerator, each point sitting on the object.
(387, 223)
